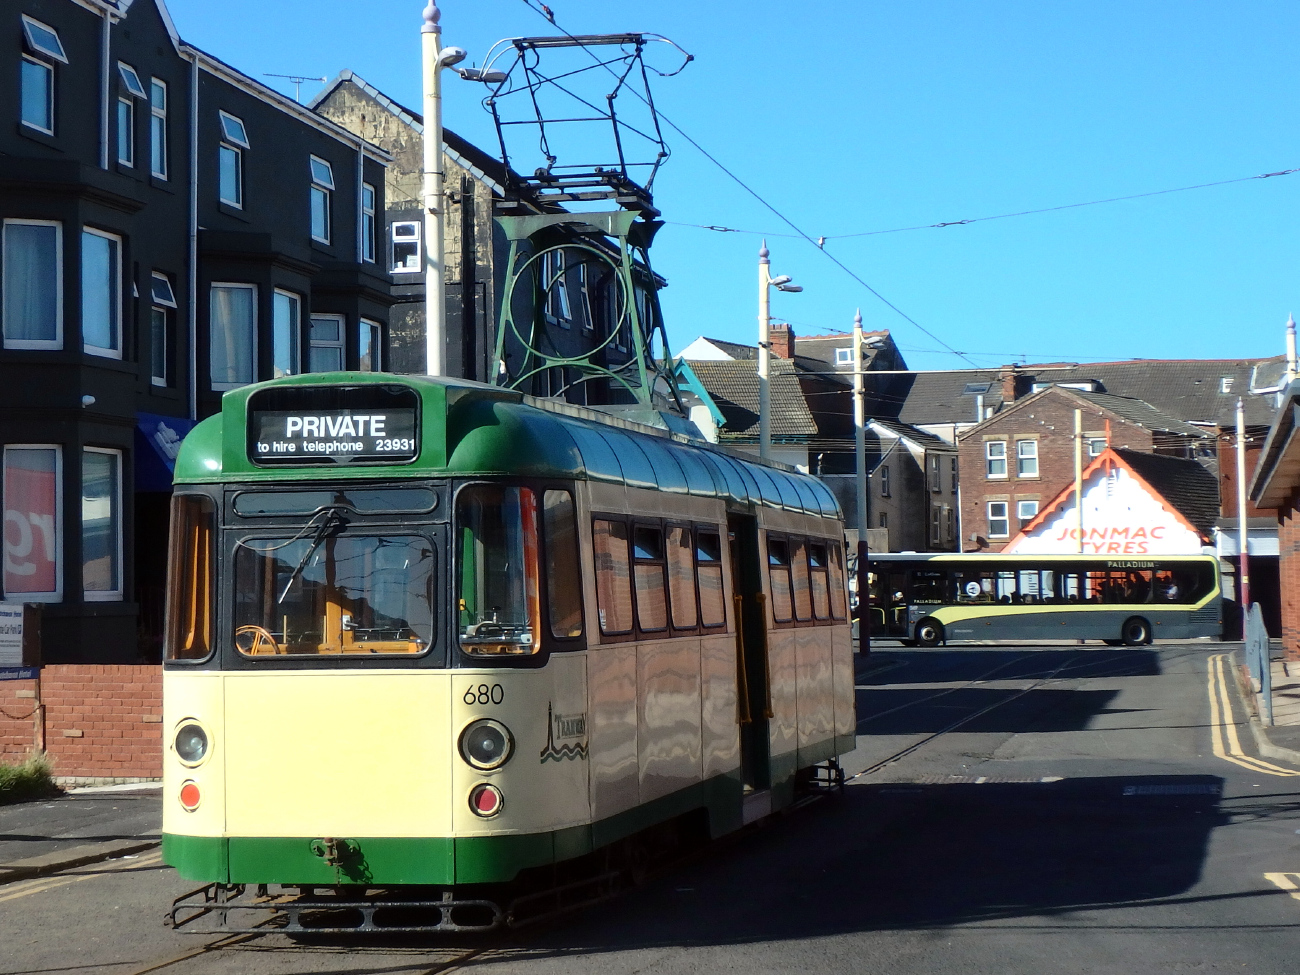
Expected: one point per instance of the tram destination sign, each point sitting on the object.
(347, 436)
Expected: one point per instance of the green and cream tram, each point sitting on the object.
(428, 632)
(930, 599)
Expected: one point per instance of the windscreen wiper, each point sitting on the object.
(331, 520)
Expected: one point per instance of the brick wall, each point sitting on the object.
(103, 722)
(1227, 449)
(1288, 540)
(1048, 418)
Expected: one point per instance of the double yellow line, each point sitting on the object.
(1223, 730)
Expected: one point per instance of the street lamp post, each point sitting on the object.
(765, 283)
(860, 466)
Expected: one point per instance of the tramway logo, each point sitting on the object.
(561, 728)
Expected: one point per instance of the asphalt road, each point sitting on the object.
(1014, 810)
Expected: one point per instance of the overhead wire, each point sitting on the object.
(757, 196)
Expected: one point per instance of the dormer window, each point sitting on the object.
(1225, 384)
(844, 357)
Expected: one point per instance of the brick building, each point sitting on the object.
(1275, 485)
(1018, 460)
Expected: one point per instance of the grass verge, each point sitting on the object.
(31, 779)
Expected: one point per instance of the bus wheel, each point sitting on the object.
(929, 633)
(1136, 632)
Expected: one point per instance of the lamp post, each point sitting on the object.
(765, 284)
(435, 58)
(860, 466)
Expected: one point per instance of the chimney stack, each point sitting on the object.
(1009, 376)
(781, 341)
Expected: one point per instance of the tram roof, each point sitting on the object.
(469, 428)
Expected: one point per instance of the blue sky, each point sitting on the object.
(851, 116)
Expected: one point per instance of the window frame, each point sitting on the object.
(322, 188)
(294, 335)
(131, 80)
(990, 459)
(35, 46)
(670, 526)
(106, 595)
(577, 640)
(55, 596)
(158, 130)
(50, 106)
(340, 343)
(375, 330)
(1005, 518)
(884, 481)
(553, 268)
(768, 566)
(164, 304)
(57, 341)
(253, 336)
(1021, 520)
(368, 223)
(1023, 458)
(107, 352)
(417, 238)
(844, 357)
(126, 131)
(232, 142)
(631, 633)
(723, 576)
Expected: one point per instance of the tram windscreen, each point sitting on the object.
(332, 592)
(498, 601)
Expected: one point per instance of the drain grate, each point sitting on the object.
(1185, 789)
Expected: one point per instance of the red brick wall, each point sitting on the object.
(102, 721)
(1049, 418)
(1227, 448)
(1288, 540)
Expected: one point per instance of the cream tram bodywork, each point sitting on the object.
(352, 770)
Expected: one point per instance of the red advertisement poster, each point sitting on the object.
(31, 522)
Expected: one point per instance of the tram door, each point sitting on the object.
(754, 704)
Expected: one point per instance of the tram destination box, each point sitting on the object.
(349, 425)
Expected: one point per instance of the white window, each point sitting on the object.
(371, 347)
(936, 473)
(231, 160)
(406, 247)
(844, 357)
(326, 343)
(936, 524)
(322, 187)
(37, 99)
(954, 475)
(161, 313)
(1225, 384)
(995, 459)
(126, 131)
(1026, 458)
(101, 524)
(999, 523)
(286, 334)
(586, 309)
(233, 335)
(555, 287)
(101, 293)
(1095, 446)
(43, 39)
(1026, 511)
(158, 127)
(950, 523)
(367, 223)
(31, 279)
(130, 80)
(33, 518)
(884, 481)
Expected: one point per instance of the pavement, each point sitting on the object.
(1280, 740)
(81, 826)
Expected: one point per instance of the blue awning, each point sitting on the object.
(157, 442)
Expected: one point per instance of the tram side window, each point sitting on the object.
(799, 570)
(681, 578)
(820, 594)
(613, 576)
(778, 567)
(192, 560)
(499, 605)
(563, 578)
(708, 569)
(837, 582)
(648, 577)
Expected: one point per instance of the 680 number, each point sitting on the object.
(483, 694)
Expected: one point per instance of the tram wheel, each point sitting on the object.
(1136, 632)
(929, 632)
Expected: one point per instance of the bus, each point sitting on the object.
(929, 599)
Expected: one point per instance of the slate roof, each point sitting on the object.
(918, 436)
(1188, 389)
(1139, 412)
(734, 388)
(1185, 484)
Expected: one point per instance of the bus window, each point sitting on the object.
(976, 586)
(681, 578)
(648, 578)
(802, 594)
(708, 570)
(613, 576)
(930, 586)
(837, 582)
(563, 578)
(778, 567)
(820, 595)
(192, 562)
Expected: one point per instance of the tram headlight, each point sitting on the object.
(486, 744)
(191, 743)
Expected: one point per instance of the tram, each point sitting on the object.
(427, 633)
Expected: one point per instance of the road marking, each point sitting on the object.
(1286, 881)
(40, 885)
(1223, 730)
